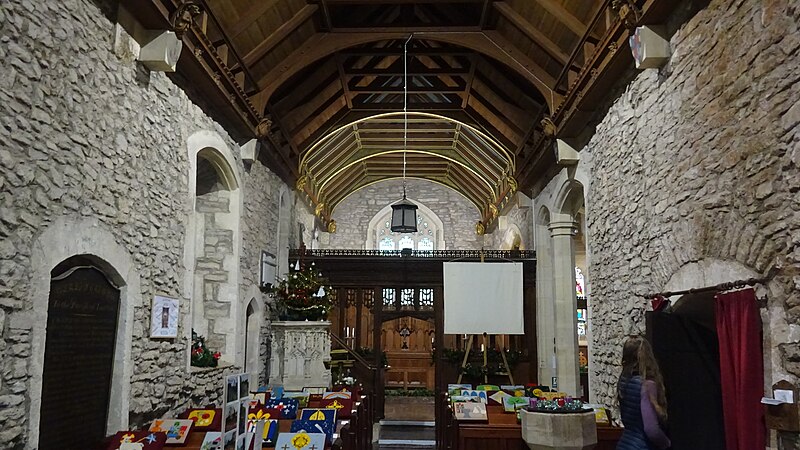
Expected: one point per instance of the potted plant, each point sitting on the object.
(302, 294)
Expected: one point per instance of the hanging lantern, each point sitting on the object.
(404, 216)
(404, 213)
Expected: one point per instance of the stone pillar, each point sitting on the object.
(562, 229)
(299, 352)
(545, 316)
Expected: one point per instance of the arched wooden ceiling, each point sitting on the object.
(322, 75)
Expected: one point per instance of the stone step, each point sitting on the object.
(397, 434)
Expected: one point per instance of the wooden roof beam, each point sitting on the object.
(567, 18)
(278, 35)
(488, 42)
(392, 2)
(532, 32)
(343, 79)
(250, 16)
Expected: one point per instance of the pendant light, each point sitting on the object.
(404, 213)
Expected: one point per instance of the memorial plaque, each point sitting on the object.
(78, 359)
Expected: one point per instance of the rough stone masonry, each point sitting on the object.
(88, 134)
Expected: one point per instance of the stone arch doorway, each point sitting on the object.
(252, 344)
(83, 309)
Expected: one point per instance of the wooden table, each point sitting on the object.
(501, 432)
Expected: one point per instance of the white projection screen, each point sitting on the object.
(483, 298)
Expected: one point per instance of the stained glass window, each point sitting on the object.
(387, 243)
(424, 239)
(407, 298)
(388, 298)
(406, 242)
(425, 244)
(580, 287)
(426, 298)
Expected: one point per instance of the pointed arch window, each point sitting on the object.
(386, 243)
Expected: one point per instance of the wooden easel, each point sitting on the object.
(485, 358)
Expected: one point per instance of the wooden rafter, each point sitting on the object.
(532, 32)
(343, 79)
(279, 35)
(564, 16)
(490, 42)
(250, 16)
(470, 79)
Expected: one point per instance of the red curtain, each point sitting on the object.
(741, 369)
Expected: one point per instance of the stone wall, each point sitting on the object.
(514, 227)
(210, 272)
(353, 215)
(90, 136)
(259, 232)
(700, 160)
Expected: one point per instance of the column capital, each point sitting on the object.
(563, 228)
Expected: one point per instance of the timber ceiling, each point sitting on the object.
(321, 82)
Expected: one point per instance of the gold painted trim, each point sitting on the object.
(338, 202)
(488, 183)
(508, 155)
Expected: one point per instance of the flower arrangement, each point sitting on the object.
(201, 355)
(302, 294)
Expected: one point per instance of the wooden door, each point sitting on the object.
(78, 360)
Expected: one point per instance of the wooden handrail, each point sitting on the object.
(350, 350)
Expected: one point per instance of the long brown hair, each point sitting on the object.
(638, 359)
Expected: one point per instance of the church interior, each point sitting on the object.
(247, 214)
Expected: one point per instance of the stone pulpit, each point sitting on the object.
(299, 352)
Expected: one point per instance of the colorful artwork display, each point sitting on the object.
(343, 406)
(301, 397)
(455, 389)
(318, 414)
(212, 441)
(269, 434)
(138, 440)
(339, 394)
(497, 397)
(511, 404)
(487, 387)
(482, 395)
(164, 317)
(470, 411)
(286, 408)
(177, 430)
(315, 426)
(235, 412)
(300, 441)
(315, 390)
(208, 419)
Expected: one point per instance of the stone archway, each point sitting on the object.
(82, 316)
(63, 239)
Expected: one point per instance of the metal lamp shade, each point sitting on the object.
(404, 217)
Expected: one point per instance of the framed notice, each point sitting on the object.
(164, 317)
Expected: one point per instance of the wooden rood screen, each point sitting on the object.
(392, 302)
